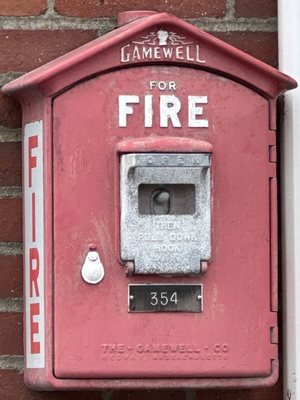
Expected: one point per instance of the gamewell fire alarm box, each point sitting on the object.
(150, 212)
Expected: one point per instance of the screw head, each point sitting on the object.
(93, 255)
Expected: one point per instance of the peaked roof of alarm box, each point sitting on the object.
(153, 39)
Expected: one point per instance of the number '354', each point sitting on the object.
(163, 298)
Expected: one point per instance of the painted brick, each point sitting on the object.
(11, 329)
(23, 7)
(11, 276)
(26, 50)
(10, 164)
(181, 8)
(10, 111)
(256, 8)
(10, 219)
(262, 45)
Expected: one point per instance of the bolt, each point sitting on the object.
(129, 268)
(203, 267)
(160, 202)
(93, 255)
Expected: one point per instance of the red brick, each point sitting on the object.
(262, 45)
(11, 276)
(25, 50)
(256, 8)
(181, 8)
(22, 7)
(10, 111)
(10, 164)
(11, 336)
(12, 386)
(10, 220)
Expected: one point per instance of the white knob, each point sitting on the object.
(92, 270)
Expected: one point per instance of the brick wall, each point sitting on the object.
(33, 32)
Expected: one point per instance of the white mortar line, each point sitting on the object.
(14, 304)
(10, 135)
(12, 362)
(10, 191)
(104, 25)
(11, 248)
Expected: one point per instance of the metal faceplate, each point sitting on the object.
(165, 212)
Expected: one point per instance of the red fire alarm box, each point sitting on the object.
(150, 212)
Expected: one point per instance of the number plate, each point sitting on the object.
(165, 298)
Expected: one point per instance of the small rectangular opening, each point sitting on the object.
(166, 199)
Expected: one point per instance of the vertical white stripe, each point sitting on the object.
(34, 360)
